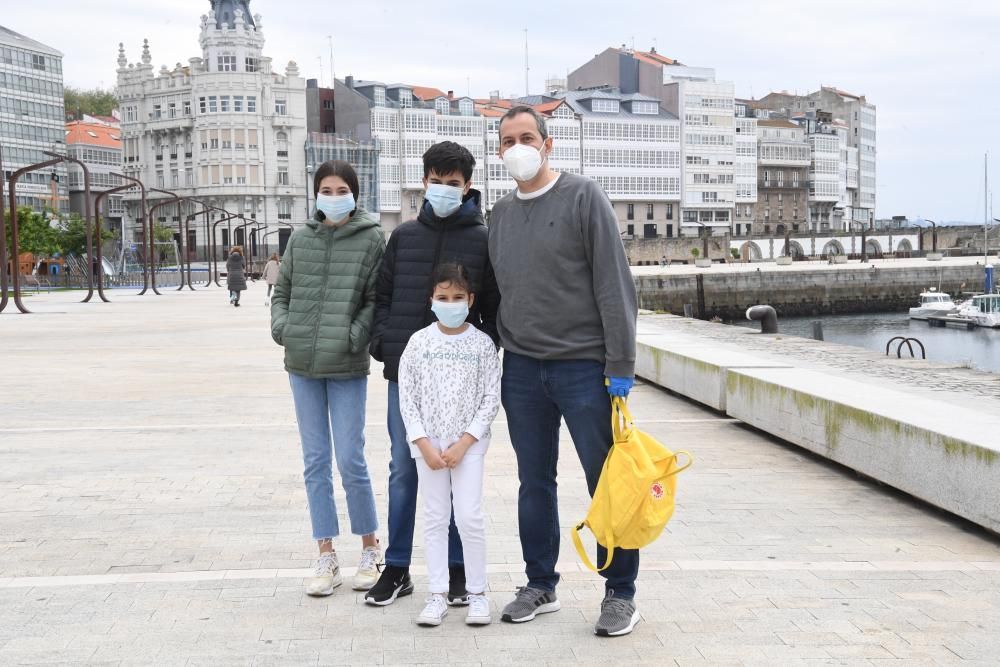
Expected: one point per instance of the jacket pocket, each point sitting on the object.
(360, 336)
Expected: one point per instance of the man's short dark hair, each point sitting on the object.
(446, 157)
(517, 111)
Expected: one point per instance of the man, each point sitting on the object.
(567, 324)
(449, 228)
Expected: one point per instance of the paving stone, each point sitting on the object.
(196, 519)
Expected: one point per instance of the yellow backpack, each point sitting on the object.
(634, 498)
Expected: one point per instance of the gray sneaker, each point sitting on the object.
(618, 617)
(529, 603)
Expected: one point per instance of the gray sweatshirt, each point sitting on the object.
(566, 290)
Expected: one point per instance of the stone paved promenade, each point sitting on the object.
(152, 512)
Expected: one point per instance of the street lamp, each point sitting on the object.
(933, 234)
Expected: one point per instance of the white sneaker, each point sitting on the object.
(368, 569)
(434, 612)
(326, 577)
(479, 611)
(267, 302)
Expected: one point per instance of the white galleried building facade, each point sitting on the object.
(224, 128)
(627, 143)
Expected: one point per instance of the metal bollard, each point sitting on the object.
(688, 310)
(817, 330)
(767, 317)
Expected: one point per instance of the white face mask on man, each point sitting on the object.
(523, 162)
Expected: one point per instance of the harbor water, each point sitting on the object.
(978, 348)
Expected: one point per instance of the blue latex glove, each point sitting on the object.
(619, 386)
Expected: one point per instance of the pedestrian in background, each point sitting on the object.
(236, 279)
(270, 275)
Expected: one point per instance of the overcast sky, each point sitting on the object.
(931, 67)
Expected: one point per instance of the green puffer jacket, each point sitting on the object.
(324, 300)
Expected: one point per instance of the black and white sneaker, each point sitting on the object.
(529, 603)
(394, 583)
(457, 595)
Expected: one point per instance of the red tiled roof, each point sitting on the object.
(654, 58)
(93, 134)
(842, 93)
(548, 107)
(777, 122)
(491, 113)
(424, 93)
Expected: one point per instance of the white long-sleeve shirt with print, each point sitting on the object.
(449, 385)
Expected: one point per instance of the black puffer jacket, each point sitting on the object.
(403, 291)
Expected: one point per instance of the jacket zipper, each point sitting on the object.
(437, 258)
(322, 299)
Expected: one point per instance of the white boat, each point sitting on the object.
(982, 310)
(932, 303)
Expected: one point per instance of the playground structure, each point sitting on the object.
(147, 264)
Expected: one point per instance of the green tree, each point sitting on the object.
(35, 234)
(94, 101)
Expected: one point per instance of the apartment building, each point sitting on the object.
(857, 117)
(784, 159)
(225, 127)
(98, 145)
(631, 147)
(705, 108)
(32, 118)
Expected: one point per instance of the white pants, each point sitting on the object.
(437, 488)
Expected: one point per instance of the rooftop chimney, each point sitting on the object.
(451, 94)
(349, 81)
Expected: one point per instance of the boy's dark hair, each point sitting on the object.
(337, 168)
(517, 111)
(453, 273)
(446, 157)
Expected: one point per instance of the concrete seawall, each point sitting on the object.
(930, 430)
(804, 288)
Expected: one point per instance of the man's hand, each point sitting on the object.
(431, 456)
(619, 386)
(457, 450)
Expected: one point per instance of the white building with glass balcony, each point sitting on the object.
(224, 128)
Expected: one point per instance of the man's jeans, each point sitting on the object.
(536, 394)
(403, 483)
(322, 406)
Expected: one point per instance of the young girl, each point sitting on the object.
(449, 394)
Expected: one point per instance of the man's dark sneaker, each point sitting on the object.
(394, 582)
(457, 595)
(618, 617)
(529, 603)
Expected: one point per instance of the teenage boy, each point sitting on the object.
(449, 228)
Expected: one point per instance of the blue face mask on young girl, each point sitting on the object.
(452, 315)
(335, 207)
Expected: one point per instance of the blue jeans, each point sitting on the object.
(535, 395)
(337, 406)
(403, 485)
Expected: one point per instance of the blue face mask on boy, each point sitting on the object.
(452, 315)
(444, 199)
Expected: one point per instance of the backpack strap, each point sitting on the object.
(578, 543)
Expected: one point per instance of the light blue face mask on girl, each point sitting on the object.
(451, 314)
(335, 207)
